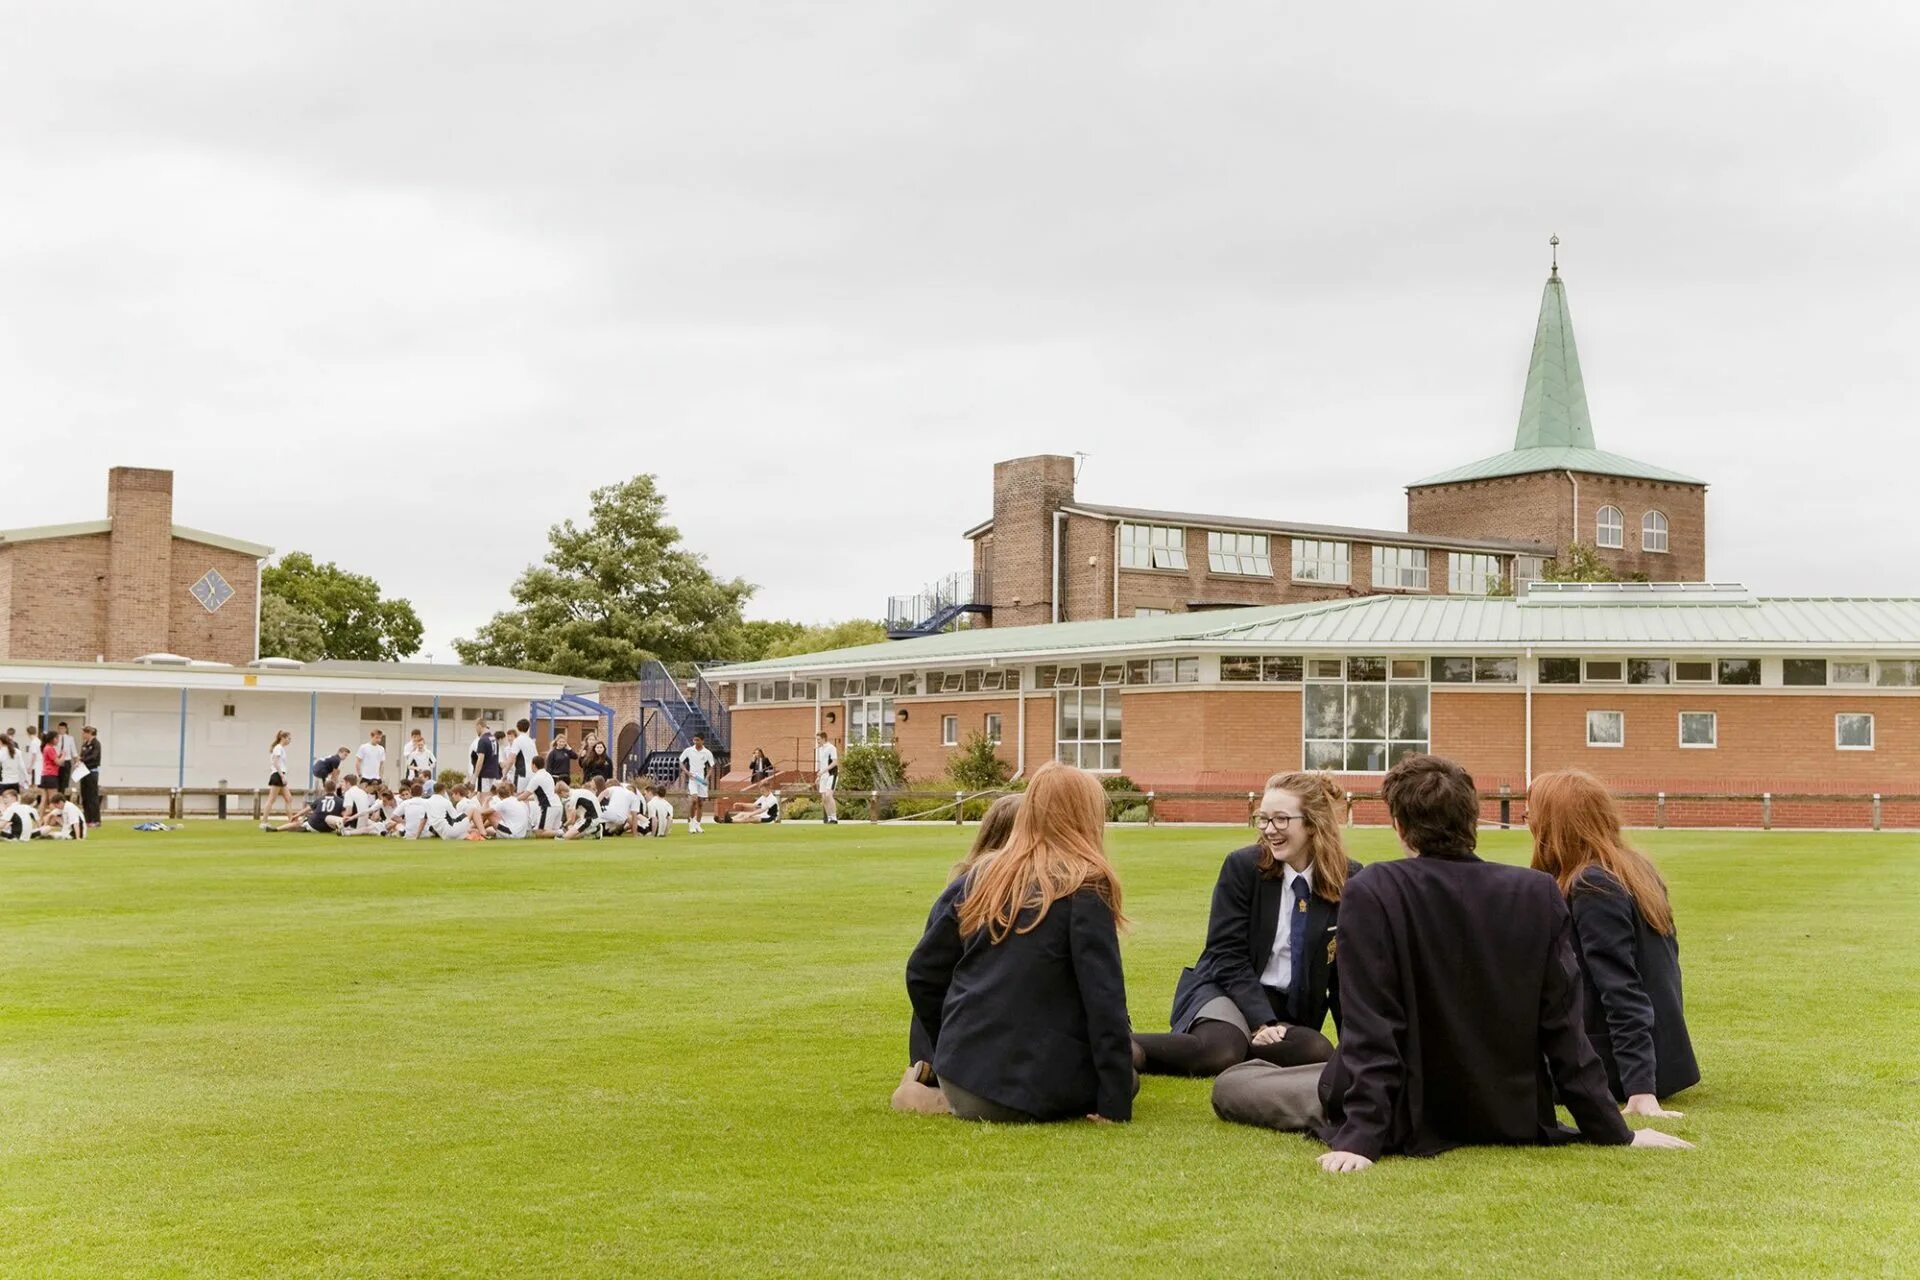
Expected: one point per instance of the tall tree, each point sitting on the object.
(613, 594)
(795, 638)
(354, 622)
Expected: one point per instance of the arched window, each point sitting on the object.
(1609, 528)
(1653, 532)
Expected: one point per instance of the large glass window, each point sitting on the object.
(1473, 575)
(1606, 728)
(1699, 729)
(1853, 731)
(1322, 561)
(1609, 528)
(1244, 553)
(1653, 532)
(1898, 675)
(1400, 568)
(869, 720)
(1088, 733)
(1649, 671)
(1739, 671)
(1528, 569)
(1361, 723)
(1152, 546)
(1803, 671)
(1559, 671)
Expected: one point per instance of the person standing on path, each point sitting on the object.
(90, 755)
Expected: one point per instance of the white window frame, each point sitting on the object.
(1322, 560)
(1081, 697)
(1653, 532)
(949, 731)
(1586, 677)
(1606, 746)
(1153, 546)
(1528, 569)
(1473, 573)
(1407, 566)
(1713, 731)
(994, 727)
(1838, 716)
(1712, 676)
(1609, 528)
(1238, 553)
(1141, 612)
(1862, 665)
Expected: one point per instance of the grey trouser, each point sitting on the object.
(971, 1106)
(1260, 1093)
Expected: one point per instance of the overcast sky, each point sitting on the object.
(397, 284)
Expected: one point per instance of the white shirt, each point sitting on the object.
(419, 763)
(13, 767)
(541, 782)
(357, 802)
(66, 748)
(70, 813)
(586, 809)
(440, 809)
(510, 816)
(616, 804)
(825, 757)
(698, 763)
(372, 758)
(19, 818)
(413, 816)
(659, 815)
(527, 753)
(766, 804)
(278, 757)
(1279, 970)
(465, 806)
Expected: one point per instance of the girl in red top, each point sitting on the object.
(50, 765)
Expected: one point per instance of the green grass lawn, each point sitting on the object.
(224, 1053)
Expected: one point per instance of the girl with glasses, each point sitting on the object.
(1265, 982)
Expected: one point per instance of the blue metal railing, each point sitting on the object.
(672, 712)
(939, 605)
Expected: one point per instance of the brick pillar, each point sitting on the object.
(139, 561)
(1026, 493)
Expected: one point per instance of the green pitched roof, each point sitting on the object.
(1553, 411)
(1555, 431)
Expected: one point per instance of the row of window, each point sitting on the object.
(448, 714)
(1852, 730)
(1609, 530)
(1102, 674)
(1153, 546)
(1797, 672)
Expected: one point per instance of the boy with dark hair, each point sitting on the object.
(1457, 980)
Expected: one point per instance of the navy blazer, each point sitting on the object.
(1634, 1011)
(1462, 1001)
(1037, 1021)
(1241, 926)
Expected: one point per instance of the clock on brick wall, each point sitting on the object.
(211, 591)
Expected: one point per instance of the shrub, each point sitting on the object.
(1133, 813)
(1121, 785)
(869, 766)
(977, 766)
(447, 778)
(799, 808)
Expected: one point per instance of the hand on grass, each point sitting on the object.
(1654, 1138)
(1270, 1035)
(1645, 1104)
(1348, 1162)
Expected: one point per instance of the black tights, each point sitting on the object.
(1211, 1047)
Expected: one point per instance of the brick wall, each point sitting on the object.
(784, 732)
(1228, 740)
(59, 599)
(1539, 507)
(918, 737)
(1026, 493)
(139, 562)
(227, 635)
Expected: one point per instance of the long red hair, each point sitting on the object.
(1575, 825)
(1058, 847)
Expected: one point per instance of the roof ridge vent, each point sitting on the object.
(1563, 594)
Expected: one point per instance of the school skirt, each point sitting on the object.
(50, 781)
(276, 780)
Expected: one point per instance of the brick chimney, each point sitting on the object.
(1026, 493)
(139, 561)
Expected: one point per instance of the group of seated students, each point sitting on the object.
(543, 808)
(56, 818)
(1468, 997)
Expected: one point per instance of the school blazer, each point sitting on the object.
(1634, 1013)
(1037, 1021)
(1462, 1004)
(1241, 926)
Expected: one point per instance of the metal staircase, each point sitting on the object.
(672, 711)
(939, 606)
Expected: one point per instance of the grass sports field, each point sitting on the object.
(225, 1053)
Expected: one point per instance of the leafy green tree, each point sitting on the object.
(355, 623)
(288, 631)
(977, 766)
(817, 639)
(1581, 563)
(611, 595)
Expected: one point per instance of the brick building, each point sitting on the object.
(1678, 688)
(131, 585)
(1048, 556)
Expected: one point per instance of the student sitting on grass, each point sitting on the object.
(766, 809)
(919, 1089)
(1018, 980)
(322, 817)
(1263, 986)
(579, 809)
(73, 823)
(659, 811)
(1460, 1004)
(18, 821)
(508, 817)
(619, 807)
(1623, 933)
(446, 816)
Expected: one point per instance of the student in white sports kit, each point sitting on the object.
(508, 817)
(658, 810)
(445, 817)
(580, 810)
(417, 763)
(618, 806)
(826, 775)
(371, 758)
(17, 821)
(412, 818)
(696, 770)
(539, 792)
